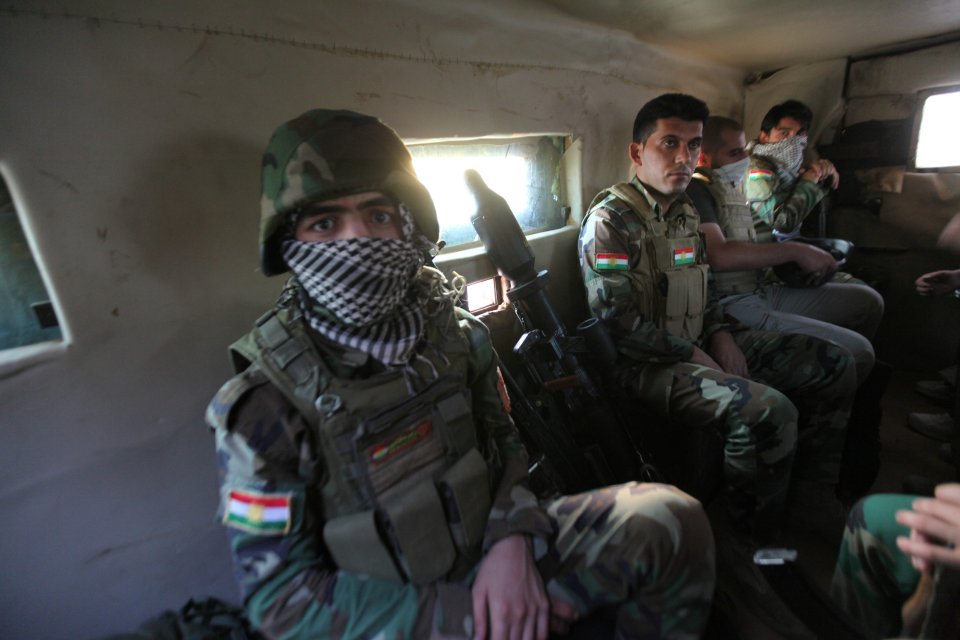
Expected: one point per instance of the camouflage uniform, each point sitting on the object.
(648, 547)
(873, 578)
(775, 207)
(758, 423)
(645, 548)
(845, 313)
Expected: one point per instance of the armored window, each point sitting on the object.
(936, 139)
(27, 315)
(527, 171)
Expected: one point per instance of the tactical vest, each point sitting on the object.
(736, 220)
(404, 490)
(670, 282)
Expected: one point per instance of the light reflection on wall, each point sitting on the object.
(443, 177)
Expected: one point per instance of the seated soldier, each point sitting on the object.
(372, 484)
(845, 313)
(646, 278)
(890, 549)
(782, 191)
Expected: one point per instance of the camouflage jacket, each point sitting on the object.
(291, 586)
(610, 293)
(775, 207)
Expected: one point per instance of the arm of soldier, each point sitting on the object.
(290, 584)
(737, 255)
(938, 283)
(610, 294)
(782, 209)
(509, 599)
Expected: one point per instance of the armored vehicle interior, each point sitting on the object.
(130, 142)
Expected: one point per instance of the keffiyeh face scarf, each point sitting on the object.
(360, 293)
(786, 154)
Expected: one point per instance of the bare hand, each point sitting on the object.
(822, 172)
(562, 614)
(938, 283)
(934, 529)
(700, 357)
(729, 356)
(813, 260)
(509, 601)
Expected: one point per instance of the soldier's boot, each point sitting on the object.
(861, 449)
(938, 426)
(939, 391)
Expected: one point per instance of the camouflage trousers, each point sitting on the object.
(645, 548)
(787, 421)
(872, 578)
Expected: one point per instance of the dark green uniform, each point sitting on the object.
(873, 578)
(645, 275)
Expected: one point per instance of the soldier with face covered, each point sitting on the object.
(372, 484)
(781, 190)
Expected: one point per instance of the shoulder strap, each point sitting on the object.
(285, 354)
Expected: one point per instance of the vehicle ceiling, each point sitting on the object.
(763, 35)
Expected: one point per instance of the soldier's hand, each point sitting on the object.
(812, 260)
(728, 355)
(509, 600)
(562, 615)
(938, 283)
(700, 357)
(934, 529)
(822, 172)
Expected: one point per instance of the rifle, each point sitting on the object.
(579, 442)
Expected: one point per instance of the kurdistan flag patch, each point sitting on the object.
(684, 256)
(616, 261)
(760, 174)
(265, 514)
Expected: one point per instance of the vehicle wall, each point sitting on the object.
(130, 139)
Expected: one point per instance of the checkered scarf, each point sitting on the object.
(360, 293)
(786, 155)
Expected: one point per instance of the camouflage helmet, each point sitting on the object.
(327, 154)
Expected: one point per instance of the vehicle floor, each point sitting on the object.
(904, 453)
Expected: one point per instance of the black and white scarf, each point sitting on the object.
(361, 293)
(786, 155)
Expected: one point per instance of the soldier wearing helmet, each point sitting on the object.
(372, 483)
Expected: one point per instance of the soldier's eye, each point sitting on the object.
(323, 224)
(382, 217)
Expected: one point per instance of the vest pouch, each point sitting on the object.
(466, 492)
(355, 543)
(417, 526)
(685, 301)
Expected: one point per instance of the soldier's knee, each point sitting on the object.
(664, 516)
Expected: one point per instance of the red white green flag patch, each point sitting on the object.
(684, 256)
(760, 174)
(262, 513)
(617, 261)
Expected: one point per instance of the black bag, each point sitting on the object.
(199, 619)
